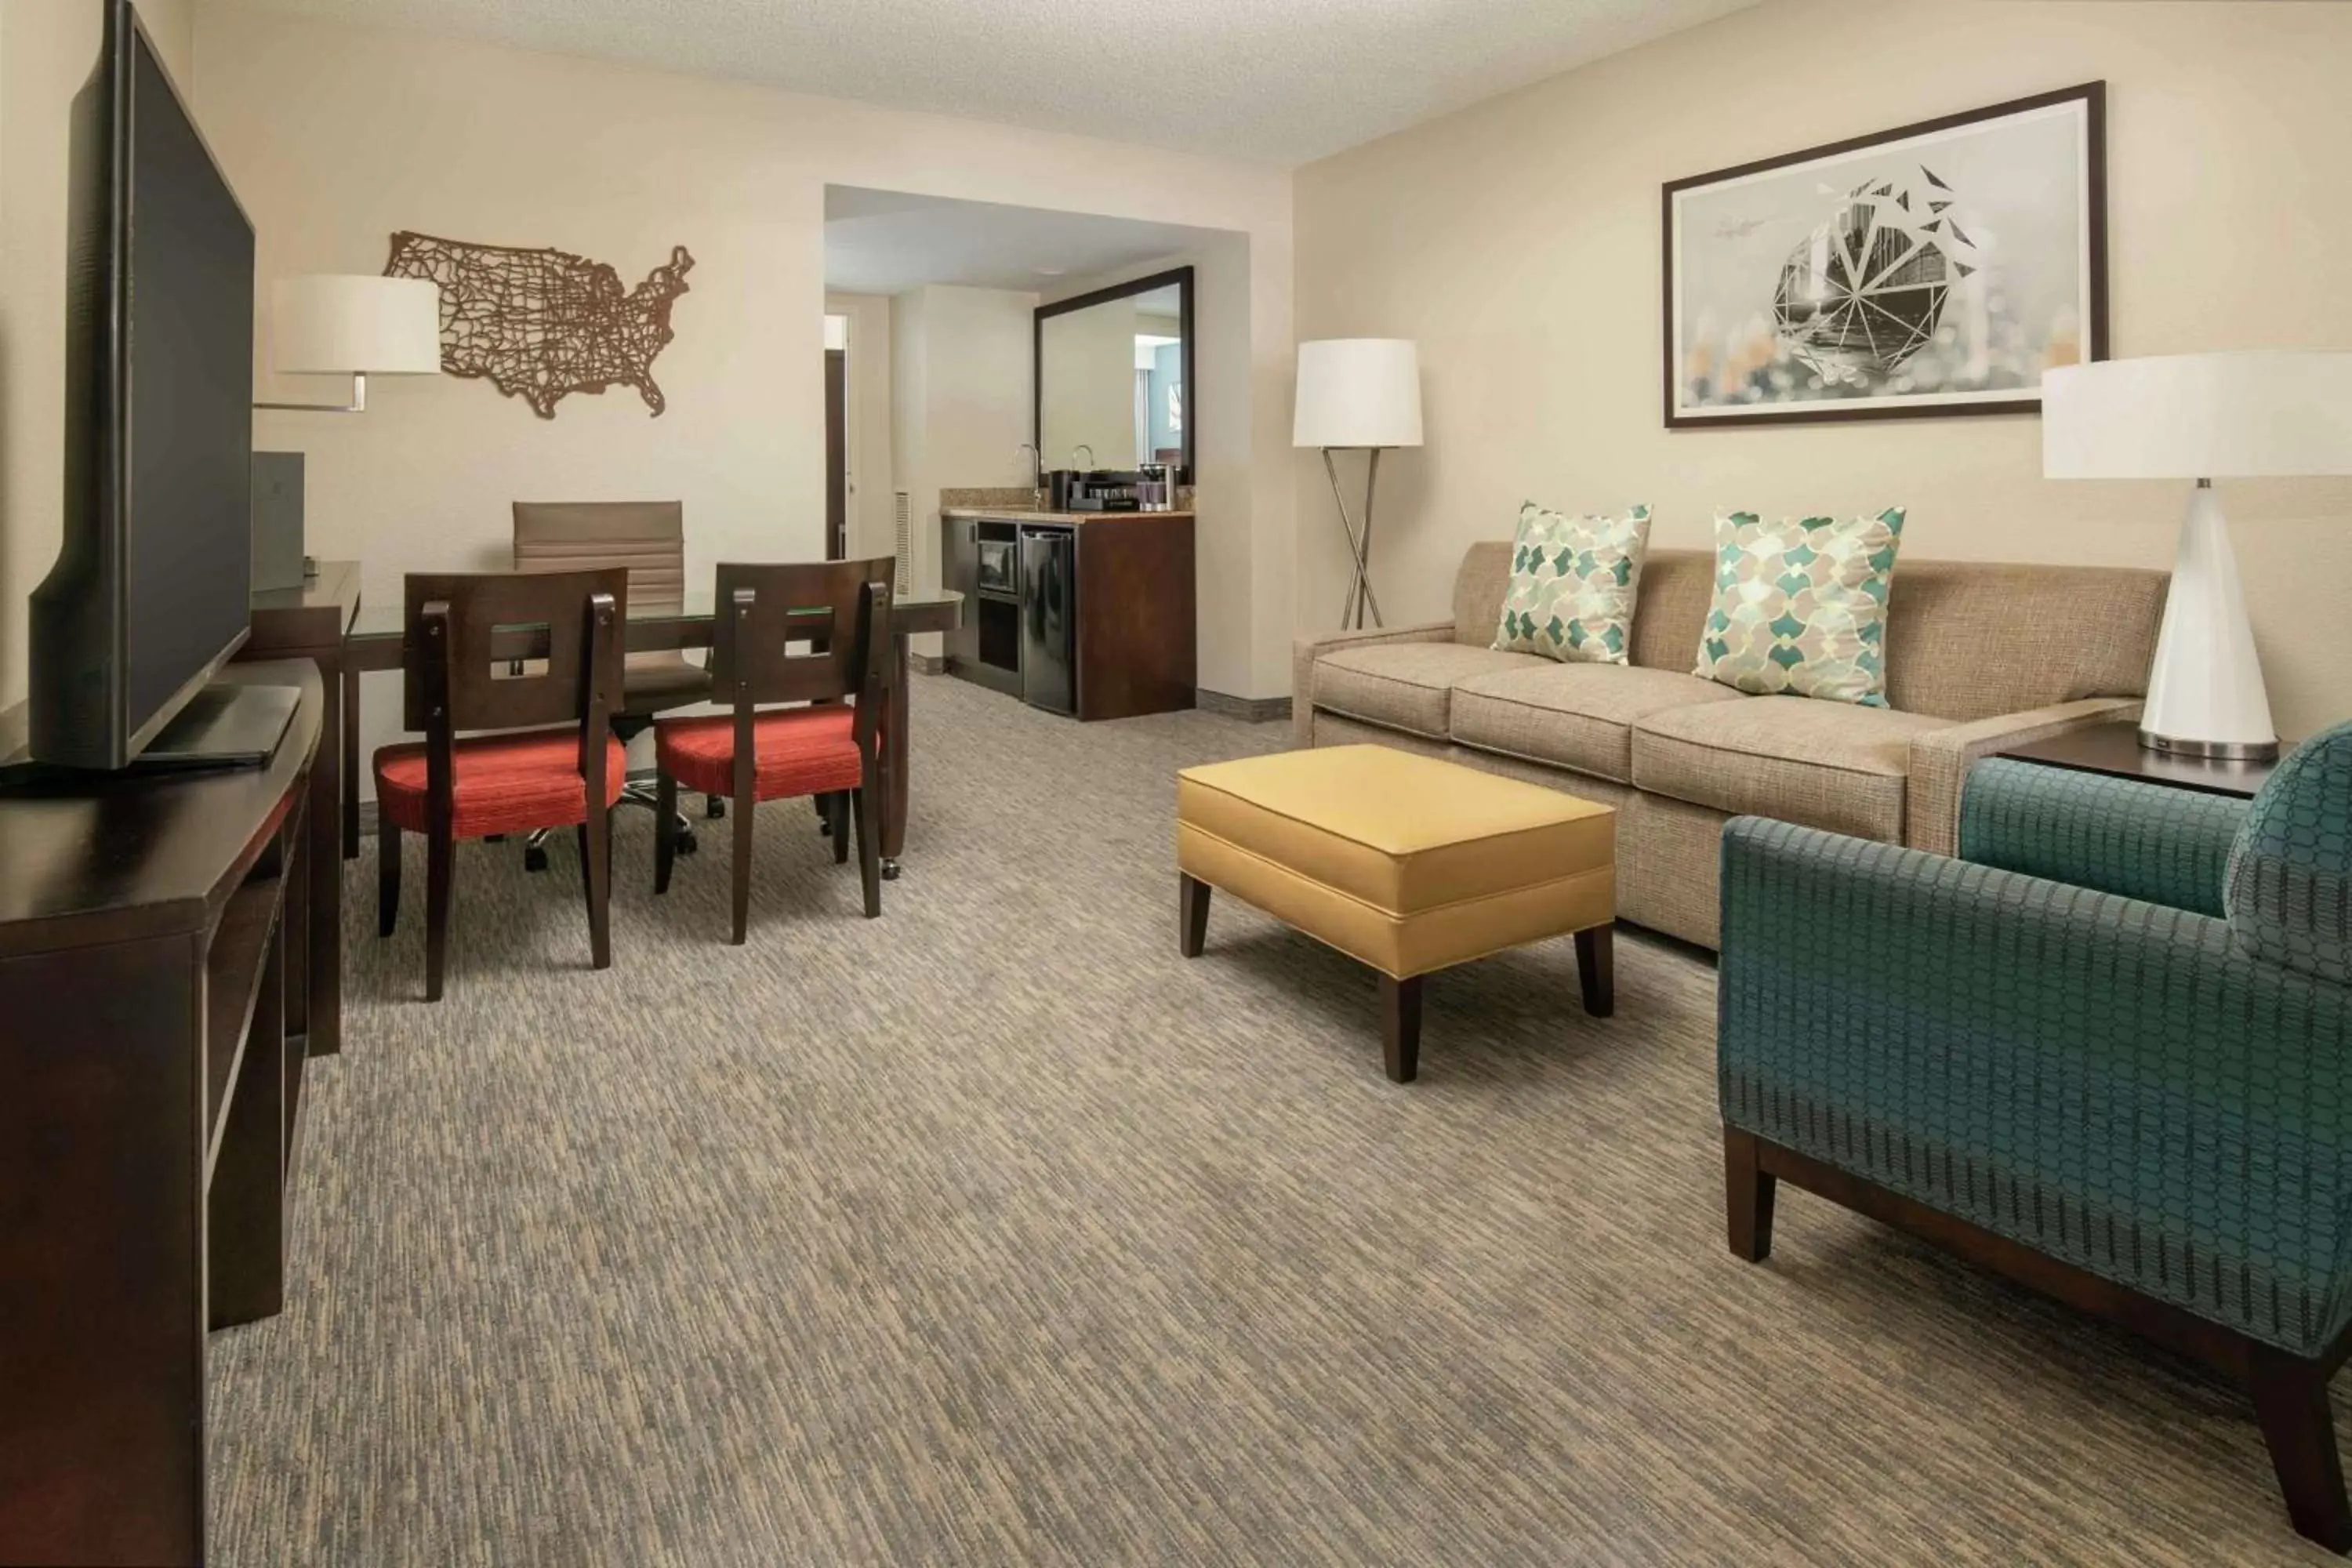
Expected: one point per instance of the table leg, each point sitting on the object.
(322, 983)
(351, 746)
(894, 761)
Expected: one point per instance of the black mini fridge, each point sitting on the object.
(1049, 618)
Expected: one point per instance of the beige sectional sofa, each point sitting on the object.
(1978, 657)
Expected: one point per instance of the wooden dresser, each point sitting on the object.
(154, 937)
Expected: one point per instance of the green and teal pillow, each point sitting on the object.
(1800, 605)
(1572, 584)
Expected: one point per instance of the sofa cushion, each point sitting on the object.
(1832, 766)
(1578, 715)
(2289, 886)
(1405, 685)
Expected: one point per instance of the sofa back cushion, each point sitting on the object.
(1677, 587)
(2289, 886)
(1967, 640)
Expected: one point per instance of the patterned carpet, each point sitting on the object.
(993, 1232)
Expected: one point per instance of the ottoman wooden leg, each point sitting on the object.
(1191, 914)
(1596, 969)
(1400, 1025)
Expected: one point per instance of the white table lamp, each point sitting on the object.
(355, 326)
(1362, 394)
(2201, 417)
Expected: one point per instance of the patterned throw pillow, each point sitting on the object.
(1572, 585)
(1800, 605)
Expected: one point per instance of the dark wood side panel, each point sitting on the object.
(102, 1281)
(1138, 636)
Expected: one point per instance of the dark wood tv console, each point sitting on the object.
(154, 941)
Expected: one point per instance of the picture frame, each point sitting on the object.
(1930, 270)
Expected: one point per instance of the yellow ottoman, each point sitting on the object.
(1403, 861)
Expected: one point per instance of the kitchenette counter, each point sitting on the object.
(1023, 514)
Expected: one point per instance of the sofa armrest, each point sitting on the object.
(1304, 651)
(1940, 761)
(2114, 1083)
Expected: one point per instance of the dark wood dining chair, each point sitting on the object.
(818, 634)
(537, 657)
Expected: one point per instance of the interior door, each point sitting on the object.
(837, 455)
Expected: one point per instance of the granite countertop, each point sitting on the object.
(1025, 514)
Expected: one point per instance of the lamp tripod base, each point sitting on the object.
(2205, 695)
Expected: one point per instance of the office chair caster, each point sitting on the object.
(534, 857)
(684, 843)
(714, 806)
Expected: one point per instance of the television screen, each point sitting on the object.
(187, 503)
(152, 587)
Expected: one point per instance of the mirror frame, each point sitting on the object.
(1182, 276)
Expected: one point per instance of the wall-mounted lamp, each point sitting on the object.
(331, 324)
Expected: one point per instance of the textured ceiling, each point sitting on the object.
(880, 242)
(1275, 81)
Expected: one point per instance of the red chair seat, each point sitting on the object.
(795, 751)
(498, 783)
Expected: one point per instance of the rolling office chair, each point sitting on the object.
(649, 539)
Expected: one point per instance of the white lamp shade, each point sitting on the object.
(1358, 392)
(2199, 416)
(343, 325)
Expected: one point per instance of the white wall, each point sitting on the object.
(1519, 242)
(336, 136)
(48, 48)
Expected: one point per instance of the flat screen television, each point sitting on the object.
(152, 590)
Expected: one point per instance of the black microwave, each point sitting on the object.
(1000, 566)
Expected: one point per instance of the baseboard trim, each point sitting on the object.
(1249, 710)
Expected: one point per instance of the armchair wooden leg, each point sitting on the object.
(2291, 1402)
(440, 864)
(387, 875)
(1401, 1026)
(1748, 1192)
(867, 806)
(1191, 914)
(742, 887)
(1596, 969)
(665, 830)
(837, 819)
(596, 878)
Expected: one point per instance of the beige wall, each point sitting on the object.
(960, 402)
(1519, 242)
(1088, 370)
(46, 50)
(868, 432)
(1240, 410)
(336, 136)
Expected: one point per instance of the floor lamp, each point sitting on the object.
(2201, 417)
(1357, 394)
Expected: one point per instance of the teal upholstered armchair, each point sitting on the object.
(2107, 1051)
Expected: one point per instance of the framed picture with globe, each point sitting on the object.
(1938, 269)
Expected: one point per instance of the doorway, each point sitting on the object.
(837, 437)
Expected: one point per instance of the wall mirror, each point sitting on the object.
(1115, 376)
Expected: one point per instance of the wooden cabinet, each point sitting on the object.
(150, 930)
(1136, 607)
